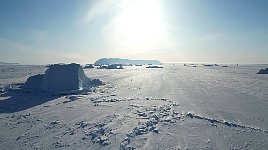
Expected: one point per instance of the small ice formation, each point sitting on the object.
(207, 65)
(61, 78)
(263, 71)
(154, 67)
(115, 66)
(112, 66)
(88, 66)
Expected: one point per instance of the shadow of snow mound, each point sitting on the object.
(6, 88)
(61, 79)
(18, 100)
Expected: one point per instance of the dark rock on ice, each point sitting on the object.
(88, 66)
(154, 67)
(263, 71)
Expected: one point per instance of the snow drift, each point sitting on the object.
(61, 78)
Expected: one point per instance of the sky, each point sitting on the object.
(82, 31)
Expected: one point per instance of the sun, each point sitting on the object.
(139, 24)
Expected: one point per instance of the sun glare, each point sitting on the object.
(140, 24)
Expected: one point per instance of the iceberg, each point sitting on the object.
(61, 78)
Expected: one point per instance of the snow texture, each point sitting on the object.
(176, 107)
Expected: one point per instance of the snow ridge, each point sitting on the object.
(215, 121)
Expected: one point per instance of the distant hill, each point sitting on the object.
(8, 63)
(108, 61)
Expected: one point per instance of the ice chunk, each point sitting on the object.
(61, 78)
(88, 66)
(263, 71)
(33, 82)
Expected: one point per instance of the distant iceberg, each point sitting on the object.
(154, 67)
(207, 65)
(8, 63)
(125, 62)
(61, 78)
(88, 66)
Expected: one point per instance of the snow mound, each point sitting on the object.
(263, 71)
(61, 78)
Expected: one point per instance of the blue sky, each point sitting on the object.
(53, 31)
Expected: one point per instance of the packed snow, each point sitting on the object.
(176, 107)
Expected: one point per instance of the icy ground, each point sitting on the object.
(176, 107)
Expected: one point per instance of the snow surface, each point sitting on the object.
(177, 107)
